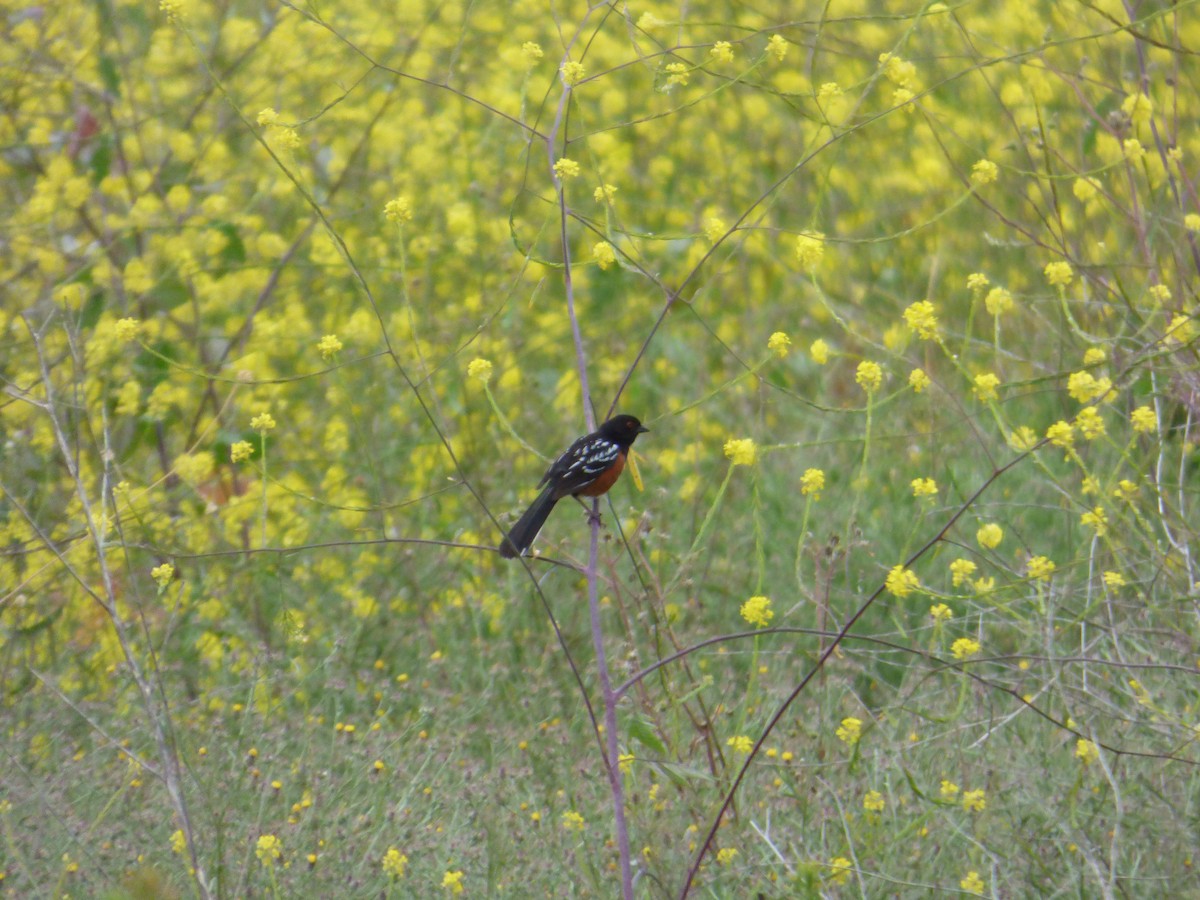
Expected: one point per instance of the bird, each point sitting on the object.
(588, 468)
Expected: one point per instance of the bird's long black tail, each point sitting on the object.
(522, 535)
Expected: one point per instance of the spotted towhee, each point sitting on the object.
(588, 468)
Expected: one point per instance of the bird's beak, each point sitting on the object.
(642, 429)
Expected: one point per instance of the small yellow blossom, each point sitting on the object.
(740, 743)
(812, 482)
(965, 648)
(1023, 438)
(604, 253)
(1061, 434)
(924, 487)
(1143, 419)
(921, 317)
(127, 329)
(810, 247)
(850, 730)
(267, 116)
(178, 842)
(566, 168)
(819, 351)
(974, 801)
(1058, 273)
(842, 869)
(714, 228)
(1093, 356)
(984, 172)
(1125, 490)
(1114, 580)
(741, 451)
(777, 47)
(1090, 423)
(572, 821)
(985, 386)
(262, 422)
(726, 855)
(989, 535)
(1096, 519)
(398, 210)
(394, 862)
(328, 346)
(678, 73)
(869, 376)
(901, 581)
(1040, 568)
(1192, 222)
(972, 884)
(240, 451)
(918, 380)
(1133, 150)
(452, 881)
(721, 51)
(163, 574)
(573, 73)
(605, 193)
(998, 301)
(1086, 751)
(961, 571)
(984, 585)
(1138, 107)
(268, 850)
(1180, 330)
(977, 281)
(757, 611)
(948, 789)
(531, 52)
(480, 369)
(873, 801)
(778, 343)
(940, 612)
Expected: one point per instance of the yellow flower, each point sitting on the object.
(974, 801)
(741, 451)
(1061, 434)
(394, 862)
(1058, 273)
(998, 301)
(267, 116)
(178, 842)
(901, 581)
(714, 228)
(1040, 568)
(778, 343)
(398, 210)
(1138, 107)
(869, 376)
(725, 855)
(989, 535)
(777, 47)
(1133, 150)
(985, 386)
(604, 253)
(918, 380)
(965, 648)
(480, 369)
(240, 451)
(268, 850)
(1085, 189)
(977, 281)
(948, 789)
(572, 820)
(812, 482)
(972, 884)
(1024, 438)
(127, 329)
(1096, 519)
(740, 743)
(1192, 221)
(873, 801)
(961, 571)
(163, 574)
(921, 317)
(1086, 751)
(452, 881)
(573, 73)
(1090, 423)
(810, 247)
(531, 52)
(1143, 419)
(605, 193)
(1114, 580)
(850, 730)
(721, 51)
(842, 868)
(940, 612)
(262, 422)
(328, 346)
(819, 351)
(924, 487)
(566, 168)
(757, 611)
(984, 172)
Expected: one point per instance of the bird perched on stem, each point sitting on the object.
(588, 468)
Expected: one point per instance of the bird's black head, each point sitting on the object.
(622, 429)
